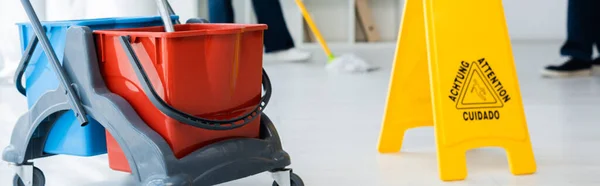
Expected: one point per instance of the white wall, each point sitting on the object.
(536, 19)
(11, 12)
(527, 19)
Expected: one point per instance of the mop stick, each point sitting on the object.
(347, 63)
(165, 13)
(65, 82)
(315, 30)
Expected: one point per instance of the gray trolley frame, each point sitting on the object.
(150, 158)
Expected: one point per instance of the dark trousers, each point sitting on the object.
(268, 12)
(583, 29)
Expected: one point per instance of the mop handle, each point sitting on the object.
(314, 29)
(165, 12)
(74, 100)
(172, 12)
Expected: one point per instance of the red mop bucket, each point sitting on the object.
(206, 70)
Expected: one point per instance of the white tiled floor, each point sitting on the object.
(330, 125)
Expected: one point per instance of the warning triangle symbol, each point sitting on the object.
(478, 92)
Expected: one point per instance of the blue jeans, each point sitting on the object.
(268, 12)
(583, 29)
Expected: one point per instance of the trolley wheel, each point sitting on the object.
(38, 178)
(296, 180)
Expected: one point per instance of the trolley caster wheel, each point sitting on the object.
(295, 180)
(38, 178)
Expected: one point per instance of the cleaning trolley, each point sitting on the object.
(179, 104)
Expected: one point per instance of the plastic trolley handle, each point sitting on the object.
(188, 118)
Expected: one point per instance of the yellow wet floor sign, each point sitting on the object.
(454, 70)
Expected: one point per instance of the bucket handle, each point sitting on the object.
(23, 64)
(188, 118)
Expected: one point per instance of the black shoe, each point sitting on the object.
(571, 68)
(596, 63)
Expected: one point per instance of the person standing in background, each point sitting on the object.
(278, 42)
(583, 33)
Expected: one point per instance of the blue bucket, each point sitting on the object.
(66, 135)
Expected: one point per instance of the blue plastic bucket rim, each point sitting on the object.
(100, 21)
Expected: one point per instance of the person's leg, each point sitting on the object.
(220, 11)
(581, 29)
(278, 41)
(596, 27)
(581, 36)
(277, 37)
